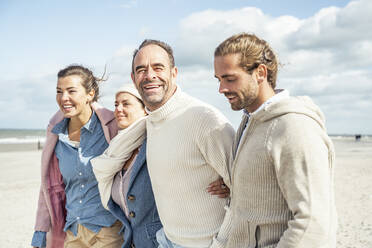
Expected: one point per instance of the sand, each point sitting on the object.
(353, 189)
(19, 187)
(20, 180)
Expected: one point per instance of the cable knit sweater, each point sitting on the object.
(282, 193)
(188, 146)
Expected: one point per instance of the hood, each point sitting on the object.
(298, 105)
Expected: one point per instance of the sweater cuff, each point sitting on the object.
(221, 238)
(39, 239)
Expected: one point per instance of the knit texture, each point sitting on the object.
(282, 193)
(111, 161)
(189, 146)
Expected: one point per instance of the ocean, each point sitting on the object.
(21, 136)
(21, 139)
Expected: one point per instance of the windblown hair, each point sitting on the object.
(254, 51)
(89, 81)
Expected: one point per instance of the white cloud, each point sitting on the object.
(31, 99)
(201, 32)
(326, 56)
(129, 4)
(335, 28)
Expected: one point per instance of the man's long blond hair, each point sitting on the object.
(254, 51)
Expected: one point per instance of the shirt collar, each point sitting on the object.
(91, 124)
(61, 127)
(279, 95)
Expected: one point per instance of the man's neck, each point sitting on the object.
(262, 97)
(153, 108)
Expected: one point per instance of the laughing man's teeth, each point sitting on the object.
(151, 87)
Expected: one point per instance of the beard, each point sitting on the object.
(244, 97)
(238, 103)
(153, 97)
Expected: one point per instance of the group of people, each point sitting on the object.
(168, 170)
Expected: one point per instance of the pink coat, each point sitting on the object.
(51, 212)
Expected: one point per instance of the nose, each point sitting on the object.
(64, 96)
(150, 74)
(119, 108)
(222, 88)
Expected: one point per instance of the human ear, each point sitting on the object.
(174, 72)
(261, 73)
(91, 95)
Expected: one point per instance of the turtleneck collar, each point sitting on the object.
(169, 107)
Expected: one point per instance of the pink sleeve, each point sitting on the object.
(42, 215)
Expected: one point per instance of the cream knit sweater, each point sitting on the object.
(282, 193)
(188, 146)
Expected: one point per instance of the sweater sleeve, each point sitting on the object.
(220, 240)
(216, 147)
(303, 158)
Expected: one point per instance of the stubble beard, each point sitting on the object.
(246, 97)
(153, 100)
(250, 96)
(237, 105)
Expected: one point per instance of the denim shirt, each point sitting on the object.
(83, 203)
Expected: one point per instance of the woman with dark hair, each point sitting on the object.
(69, 208)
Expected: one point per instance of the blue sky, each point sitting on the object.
(324, 47)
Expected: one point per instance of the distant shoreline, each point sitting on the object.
(20, 147)
(34, 146)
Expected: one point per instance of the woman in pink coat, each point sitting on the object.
(69, 207)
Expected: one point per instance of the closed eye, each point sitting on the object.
(158, 68)
(141, 70)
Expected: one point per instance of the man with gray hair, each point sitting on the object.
(188, 146)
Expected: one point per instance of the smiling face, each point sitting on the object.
(240, 88)
(153, 76)
(72, 98)
(128, 109)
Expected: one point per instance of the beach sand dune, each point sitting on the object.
(20, 181)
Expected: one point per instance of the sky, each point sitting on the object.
(324, 48)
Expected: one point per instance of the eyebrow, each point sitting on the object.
(67, 88)
(139, 67)
(152, 65)
(225, 75)
(157, 64)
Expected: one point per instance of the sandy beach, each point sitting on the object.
(20, 180)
